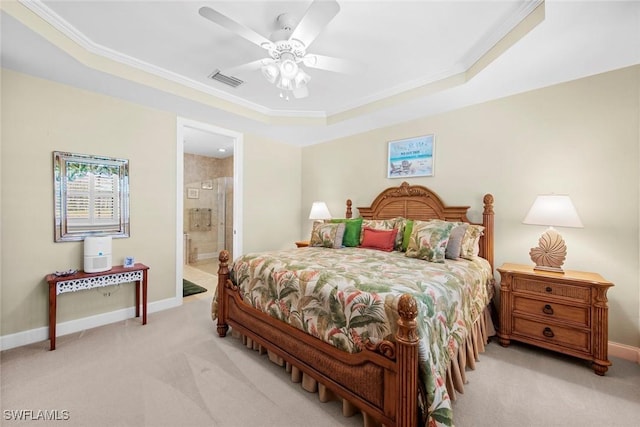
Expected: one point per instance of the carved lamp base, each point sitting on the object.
(550, 253)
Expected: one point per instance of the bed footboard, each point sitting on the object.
(381, 381)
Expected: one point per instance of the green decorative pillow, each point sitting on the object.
(327, 235)
(406, 235)
(471, 241)
(352, 230)
(429, 240)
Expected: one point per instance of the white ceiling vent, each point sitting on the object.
(228, 80)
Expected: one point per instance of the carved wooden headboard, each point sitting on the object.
(419, 203)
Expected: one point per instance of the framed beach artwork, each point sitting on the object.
(411, 157)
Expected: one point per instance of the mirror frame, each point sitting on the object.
(63, 232)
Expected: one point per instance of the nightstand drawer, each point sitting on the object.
(553, 310)
(566, 337)
(580, 293)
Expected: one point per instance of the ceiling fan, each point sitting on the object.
(287, 48)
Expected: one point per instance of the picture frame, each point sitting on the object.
(411, 157)
(129, 261)
(193, 193)
(207, 185)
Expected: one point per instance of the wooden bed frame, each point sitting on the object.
(381, 381)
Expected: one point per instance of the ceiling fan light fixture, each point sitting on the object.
(270, 72)
(285, 84)
(288, 46)
(301, 79)
(288, 68)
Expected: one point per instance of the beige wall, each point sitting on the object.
(271, 178)
(580, 138)
(39, 117)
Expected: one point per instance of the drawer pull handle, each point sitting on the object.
(548, 289)
(547, 309)
(547, 332)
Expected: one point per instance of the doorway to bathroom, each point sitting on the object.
(208, 211)
(207, 198)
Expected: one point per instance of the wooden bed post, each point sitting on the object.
(223, 277)
(407, 362)
(487, 222)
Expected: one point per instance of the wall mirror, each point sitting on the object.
(91, 196)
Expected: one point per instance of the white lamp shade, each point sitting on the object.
(319, 210)
(555, 210)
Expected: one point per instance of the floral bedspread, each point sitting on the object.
(346, 296)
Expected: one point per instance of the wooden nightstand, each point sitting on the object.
(566, 312)
(302, 244)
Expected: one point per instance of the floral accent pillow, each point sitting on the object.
(429, 240)
(327, 235)
(471, 241)
(455, 245)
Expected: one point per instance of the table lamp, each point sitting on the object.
(319, 210)
(553, 210)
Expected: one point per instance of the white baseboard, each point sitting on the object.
(77, 325)
(624, 351)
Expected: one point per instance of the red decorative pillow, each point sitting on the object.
(383, 240)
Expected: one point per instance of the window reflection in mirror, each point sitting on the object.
(91, 196)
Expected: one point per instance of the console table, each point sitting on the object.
(81, 280)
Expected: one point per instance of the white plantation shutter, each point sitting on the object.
(105, 199)
(78, 199)
(92, 201)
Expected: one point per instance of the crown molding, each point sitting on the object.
(89, 45)
(508, 33)
(478, 57)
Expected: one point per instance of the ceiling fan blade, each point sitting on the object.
(319, 14)
(234, 26)
(249, 66)
(330, 63)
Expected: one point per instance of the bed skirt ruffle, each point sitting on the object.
(466, 357)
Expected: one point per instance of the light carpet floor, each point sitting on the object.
(175, 371)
